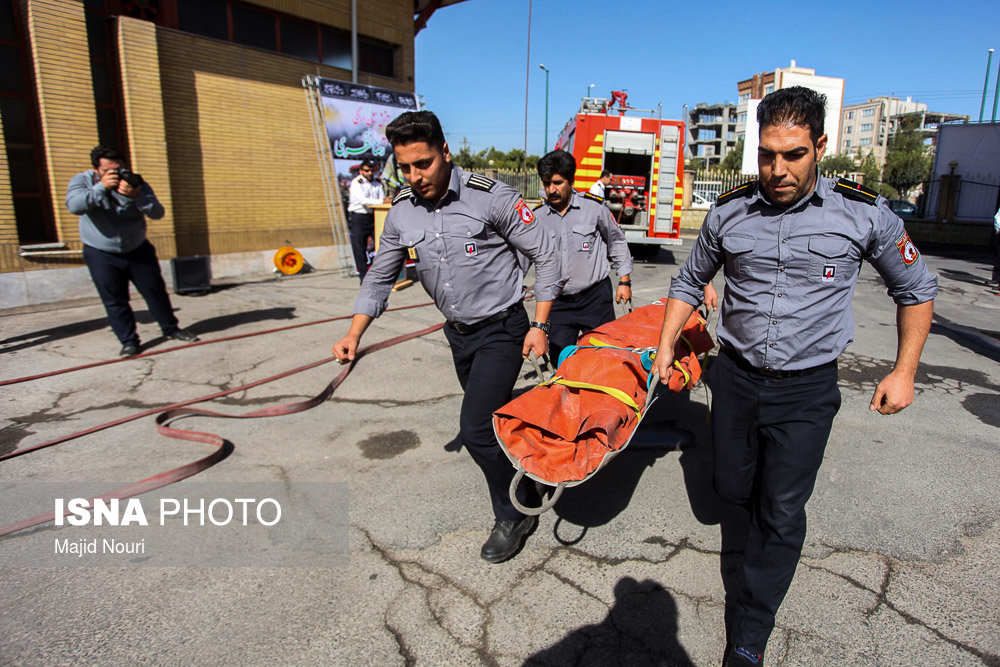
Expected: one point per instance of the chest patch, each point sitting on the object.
(907, 250)
(829, 273)
(527, 217)
(586, 245)
(470, 249)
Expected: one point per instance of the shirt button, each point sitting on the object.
(782, 268)
(442, 259)
(779, 293)
(437, 210)
(447, 284)
(770, 344)
(774, 321)
(437, 235)
(784, 240)
(468, 233)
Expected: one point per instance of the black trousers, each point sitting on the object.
(359, 227)
(769, 436)
(573, 314)
(112, 272)
(487, 363)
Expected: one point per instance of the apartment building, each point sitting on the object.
(711, 132)
(206, 99)
(752, 90)
(868, 126)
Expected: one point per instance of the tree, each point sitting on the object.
(907, 160)
(873, 176)
(836, 164)
(733, 161)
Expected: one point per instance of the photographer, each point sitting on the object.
(112, 202)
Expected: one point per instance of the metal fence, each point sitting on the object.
(527, 183)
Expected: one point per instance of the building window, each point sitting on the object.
(104, 75)
(850, 115)
(22, 134)
(233, 21)
(866, 127)
(865, 142)
(768, 89)
(744, 96)
(847, 143)
(850, 128)
(867, 113)
(743, 117)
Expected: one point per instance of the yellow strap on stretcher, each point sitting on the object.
(610, 391)
(677, 364)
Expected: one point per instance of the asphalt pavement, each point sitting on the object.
(632, 567)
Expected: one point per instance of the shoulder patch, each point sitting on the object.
(591, 195)
(405, 193)
(744, 190)
(855, 191)
(481, 183)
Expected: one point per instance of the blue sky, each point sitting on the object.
(471, 57)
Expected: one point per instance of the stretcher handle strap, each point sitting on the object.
(654, 382)
(610, 391)
(534, 359)
(532, 511)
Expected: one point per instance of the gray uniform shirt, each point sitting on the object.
(586, 237)
(790, 273)
(465, 247)
(110, 221)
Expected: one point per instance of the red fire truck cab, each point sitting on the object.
(645, 156)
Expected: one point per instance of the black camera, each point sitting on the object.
(130, 177)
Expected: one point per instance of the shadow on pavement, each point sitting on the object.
(206, 326)
(640, 629)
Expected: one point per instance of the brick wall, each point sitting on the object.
(143, 101)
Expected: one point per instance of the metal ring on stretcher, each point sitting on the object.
(532, 511)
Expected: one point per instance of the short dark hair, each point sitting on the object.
(797, 105)
(106, 152)
(366, 163)
(557, 162)
(414, 126)
(605, 173)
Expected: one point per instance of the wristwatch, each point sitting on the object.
(544, 326)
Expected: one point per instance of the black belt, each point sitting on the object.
(745, 365)
(582, 294)
(466, 329)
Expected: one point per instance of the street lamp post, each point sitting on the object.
(589, 86)
(546, 107)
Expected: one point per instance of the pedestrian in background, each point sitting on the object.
(600, 188)
(113, 202)
(363, 193)
(464, 231)
(589, 243)
(791, 246)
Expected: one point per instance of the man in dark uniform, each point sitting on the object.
(791, 247)
(586, 238)
(465, 231)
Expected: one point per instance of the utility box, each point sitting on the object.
(192, 275)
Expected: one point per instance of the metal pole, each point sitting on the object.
(527, 72)
(354, 41)
(546, 107)
(986, 83)
(993, 118)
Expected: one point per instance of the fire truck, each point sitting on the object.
(645, 156)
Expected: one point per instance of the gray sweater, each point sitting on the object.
(109, 220)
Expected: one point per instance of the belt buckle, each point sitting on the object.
(461, 328)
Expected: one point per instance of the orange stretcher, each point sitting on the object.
(567, 428)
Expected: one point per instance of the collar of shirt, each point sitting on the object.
(574, 202)
(454, 187)
(821, 188)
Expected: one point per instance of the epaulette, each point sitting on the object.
(744, 190)
(591, 195)
(855, 191)
(405, 193)
(540, 204)
(481, 182)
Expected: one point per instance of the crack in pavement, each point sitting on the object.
(882, 600)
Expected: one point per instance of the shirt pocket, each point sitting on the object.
(738, 250)
(467, 241)
(829, 260)
(416, 249)
(584, 237)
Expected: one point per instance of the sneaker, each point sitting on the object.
(738, 656)
(183, 335)
(507, 537)
(129, 350)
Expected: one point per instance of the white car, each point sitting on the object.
(702, 199)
